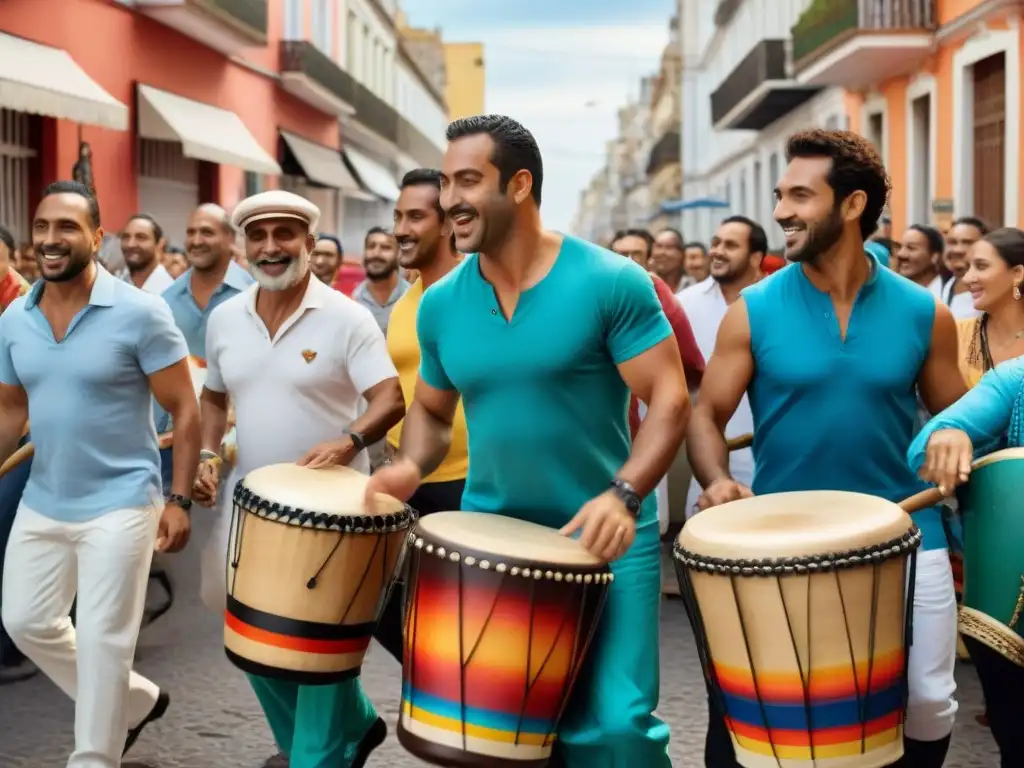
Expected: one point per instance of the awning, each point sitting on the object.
(321, 165)
(700, 203)
(46, 81)
(205, 132)
(374, 177)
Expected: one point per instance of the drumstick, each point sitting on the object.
(923, 500)
(166, 440)
(741, 442)
(22, 454)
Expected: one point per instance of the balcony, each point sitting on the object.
(228, 26)
(666, 151)
(855, 44)
(759, 91)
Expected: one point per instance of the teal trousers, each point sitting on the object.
(315, 726)
(610, 720)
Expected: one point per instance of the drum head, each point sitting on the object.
(331, 491)
(1006, 454)
(798, 524)
(505, 537)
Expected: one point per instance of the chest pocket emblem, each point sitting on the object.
(308, 355)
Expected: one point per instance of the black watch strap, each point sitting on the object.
(627, 495)
(182, 501)
(357, 439)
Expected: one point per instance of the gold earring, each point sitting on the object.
(1016, 292)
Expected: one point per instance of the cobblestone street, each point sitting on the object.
(215, 722)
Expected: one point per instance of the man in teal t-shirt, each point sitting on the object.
(832, 351)
(544, 336)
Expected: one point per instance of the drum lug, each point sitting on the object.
(1019, 608)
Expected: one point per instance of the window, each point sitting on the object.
(322, 26)
(253, 183)
(352, 34)
(292, 19)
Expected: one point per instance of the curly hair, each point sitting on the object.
(855, 166)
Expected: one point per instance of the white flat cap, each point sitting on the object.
(275, 204)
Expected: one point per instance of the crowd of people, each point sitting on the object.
(477, 348)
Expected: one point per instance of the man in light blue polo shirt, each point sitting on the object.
(82, 356)
(544, 336)
(212, 278)
(832, 351)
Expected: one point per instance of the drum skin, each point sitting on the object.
(499, 618)
(305, 589)
(799, 605)
(994, 554)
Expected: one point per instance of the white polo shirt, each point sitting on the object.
(301, 387)
(705, 307)
(159, 280)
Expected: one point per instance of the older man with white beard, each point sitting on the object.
(294, 356)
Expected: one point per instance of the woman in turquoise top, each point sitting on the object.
(988, 418)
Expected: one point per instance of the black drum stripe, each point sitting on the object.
(291, 675)
(311, 630)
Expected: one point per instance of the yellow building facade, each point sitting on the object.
(467, 79)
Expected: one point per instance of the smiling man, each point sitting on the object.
(142, 243)
(832, 351)
(295, 357)
(325, 260)
(82, 356)
(543, 336)
(383, 285)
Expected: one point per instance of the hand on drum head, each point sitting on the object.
(204, 489)
(333, 453)
(947, 459)
(400, 480)
(722, 492)
(608, 527)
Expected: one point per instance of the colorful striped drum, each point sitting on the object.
(499, 618)
(994, 554)
(308, 574)
(800, 609)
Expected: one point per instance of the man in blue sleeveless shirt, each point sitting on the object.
(544, 336)
(832, 350)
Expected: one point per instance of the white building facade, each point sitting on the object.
(740, 102)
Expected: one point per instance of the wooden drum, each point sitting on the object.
(499, 618)
(800, 607)
(307, 573)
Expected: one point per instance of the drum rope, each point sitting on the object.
(1019, 607)
(908, 629)
(529, 664)
(805, 680)
(412, 620)
(692, 608)
(853, 657)
(872, 630)
(753, 669)
(462, 670)
(236, 532)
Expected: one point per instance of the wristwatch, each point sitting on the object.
(627, 494)
(182, 501)
(357, 439)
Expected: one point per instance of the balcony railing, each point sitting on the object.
(766, 61)
(827, 23)
(249, 15)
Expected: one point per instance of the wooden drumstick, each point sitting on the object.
(741, 442)
(923, 500)
(21, 455)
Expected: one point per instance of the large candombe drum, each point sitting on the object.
(307, 572)
(499, 617)
(800, 610)
(994, 554)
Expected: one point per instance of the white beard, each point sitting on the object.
(291, 276)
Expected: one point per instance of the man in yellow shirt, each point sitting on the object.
(424, 244)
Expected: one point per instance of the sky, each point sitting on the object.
(563, 68)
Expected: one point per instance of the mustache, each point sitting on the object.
(53, 250)
(462, 209)
(279, 256)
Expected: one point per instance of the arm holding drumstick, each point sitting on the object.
(726, 378)
(943, 451)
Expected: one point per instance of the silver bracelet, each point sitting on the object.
(206, 455)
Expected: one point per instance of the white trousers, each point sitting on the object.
(106, 562)
(931, 708)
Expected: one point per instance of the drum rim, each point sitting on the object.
(991, 632)
(778, 566)
(1006, 454)
(511, 566)
(273, 511)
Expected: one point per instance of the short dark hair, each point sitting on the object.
(936, 242)
(333, 239)
(643, 234)
(680, 241)
(68, 187)
(7, 239)
(757, 240)
(515, 148)
(696, 244)
(973, 221)
(158, 231)
(856, 166)
(376, 231)
(425, 177)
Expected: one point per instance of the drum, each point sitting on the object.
(307, 573)
(801, 613)
(994, 554)
(499, 617)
